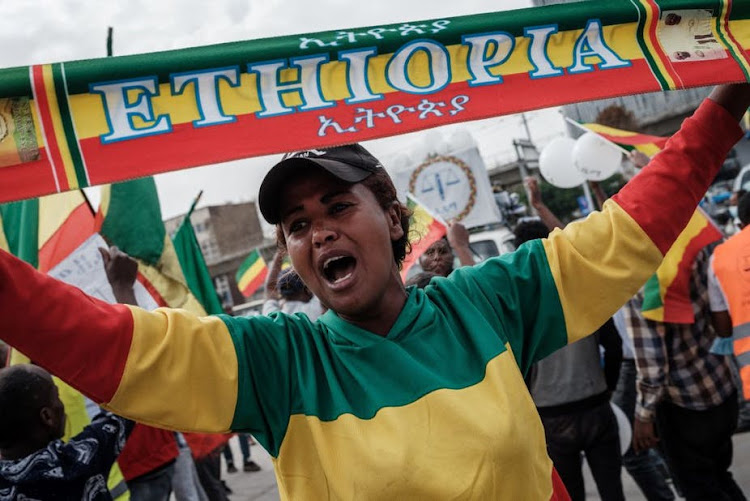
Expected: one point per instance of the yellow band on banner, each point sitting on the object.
(103, 121)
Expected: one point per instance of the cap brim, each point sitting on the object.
(270, 189)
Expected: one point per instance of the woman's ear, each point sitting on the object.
(394, 221)
(47, 416)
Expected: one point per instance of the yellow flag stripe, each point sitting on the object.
(90, 120)
(651, 17)
(251, 273)
(59, 131)
(670, 266)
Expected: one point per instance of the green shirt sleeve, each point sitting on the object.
(267, 347)
(516, 292)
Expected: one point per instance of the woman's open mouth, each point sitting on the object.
(337, 270)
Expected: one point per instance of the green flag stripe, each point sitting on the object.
(58, 76)
(194, 268)
(16, 82)
(729, 46)
(651, 295)
(21, 226)
(641, 35)
(247, 263)
(568, 17)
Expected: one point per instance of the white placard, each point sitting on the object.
(455, 186)
(84, 268)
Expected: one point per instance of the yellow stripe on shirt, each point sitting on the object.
(610, 249)
(181, 372)
(424, 450)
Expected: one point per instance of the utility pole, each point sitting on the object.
(523, 147)
(109, 41)
(526, 126)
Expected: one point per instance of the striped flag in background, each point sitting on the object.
(43, 231)
(649, 145)
(252, 273)
(424, 230)
(667, 293)
(129, 217)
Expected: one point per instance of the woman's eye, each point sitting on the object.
(296, 226)
(338, 207)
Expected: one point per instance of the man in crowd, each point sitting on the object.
(687, 394)
(286, 292)
(34, 462)
(438, 258)
(571, 392)
(647, 468)
(729, 289)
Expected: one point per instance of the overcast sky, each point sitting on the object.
(44, 31)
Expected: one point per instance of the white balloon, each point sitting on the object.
(623, 428)
(461, 139)
(556, 164)
(596, 158)
(435, 142)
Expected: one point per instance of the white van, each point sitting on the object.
(491, 242)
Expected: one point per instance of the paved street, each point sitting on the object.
(256, 486)
(261, 486)
(740, 470)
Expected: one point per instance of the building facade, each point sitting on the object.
(226, 235)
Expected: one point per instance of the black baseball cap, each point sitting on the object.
(351, 163)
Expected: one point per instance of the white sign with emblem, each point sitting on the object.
(454, 185)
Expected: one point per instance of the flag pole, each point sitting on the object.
(109, 41)
(88, 202)
(584, 129)
(195, 202)
(192, 207)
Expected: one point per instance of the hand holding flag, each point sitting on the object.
(425, 229)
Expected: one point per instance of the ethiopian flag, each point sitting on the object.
(194, 265)
(43, 231)
(649, 145)
(252, 274)
(129, 217)
(424, 230)
(667, 293)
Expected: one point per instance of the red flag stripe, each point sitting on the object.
(255, 283)
(73, 232)
(48, 130)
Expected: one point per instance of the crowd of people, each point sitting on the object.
(473, 380)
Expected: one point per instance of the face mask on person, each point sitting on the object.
(733, 211)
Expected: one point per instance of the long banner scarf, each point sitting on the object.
(81, 123)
